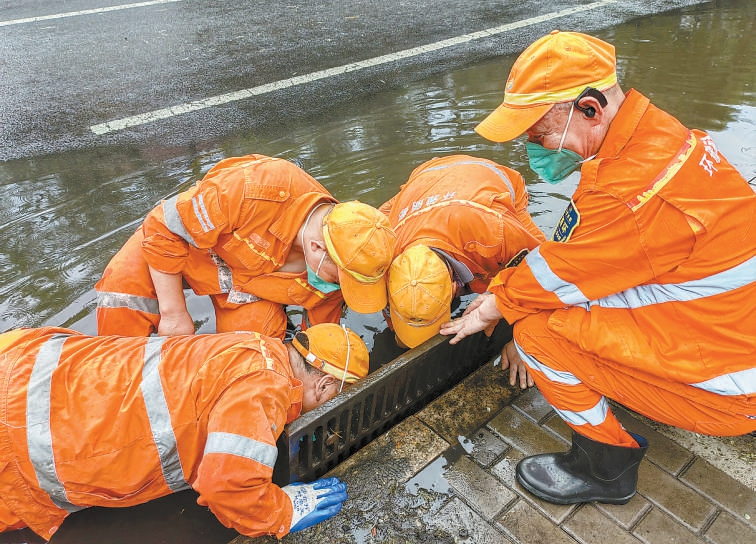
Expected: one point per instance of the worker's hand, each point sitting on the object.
(481, 314)
(315, 502)
(518, 370)
(175, 324)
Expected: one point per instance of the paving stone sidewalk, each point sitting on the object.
(446, 474)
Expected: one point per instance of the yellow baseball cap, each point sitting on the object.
(420, 294)
(555, 68)
(334, 349)
(360, 241)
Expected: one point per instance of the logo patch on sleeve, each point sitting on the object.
(517, 259)
(570, 219)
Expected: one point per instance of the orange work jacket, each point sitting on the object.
(654, 259)
(471, 208)
(118, 421)
(233, 230)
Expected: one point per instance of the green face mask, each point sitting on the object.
(319, 283)
(553, 165)
(312, 275)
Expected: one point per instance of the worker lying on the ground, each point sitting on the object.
(458, 221)
(118, 421)
(647, 293)
(255, 234)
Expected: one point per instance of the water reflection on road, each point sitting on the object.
(62, 217)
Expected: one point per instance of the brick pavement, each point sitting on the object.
(446, 474)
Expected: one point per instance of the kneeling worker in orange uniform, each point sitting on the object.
(117, 421)
(458, 220)
(647, 293)
(255, 234)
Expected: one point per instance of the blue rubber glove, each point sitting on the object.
(315, 502)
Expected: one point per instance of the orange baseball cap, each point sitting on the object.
(420, 294)
(555, 68)
(334, 349)
(360, 241)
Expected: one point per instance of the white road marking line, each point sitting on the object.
(83, 12)
(165, 113)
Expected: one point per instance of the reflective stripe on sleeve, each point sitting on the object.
(38, 432)
(132, 302)
(716, 284)
(173, 220)
(567, 292)
(592, 416)
(242, 446)
(198, 204)
(160, 417)
(735, 383)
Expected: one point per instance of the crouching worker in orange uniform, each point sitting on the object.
(458, 220)
(646, 295)
(255, 234)
(117, 421)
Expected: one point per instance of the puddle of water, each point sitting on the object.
(62, 217)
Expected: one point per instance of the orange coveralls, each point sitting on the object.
(227, 236)
(117, 421)
(647, 293)
(470, 208)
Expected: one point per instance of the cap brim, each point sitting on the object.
(507, 123)
(364, 298)
(412, 336)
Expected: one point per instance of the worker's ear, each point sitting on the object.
(317, 246)
(326, 387)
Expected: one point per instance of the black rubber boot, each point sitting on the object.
(589, 472)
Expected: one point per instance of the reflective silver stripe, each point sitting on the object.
(173, 220)
(568, 293)
(160, 418)
(198, 203)
(235, 444)
(592, 416)
(239, 297)
(647, 295)
(558, 376)
(735, 383)
(225, 276)
(132, 302)
(491, 167)
(38, 432)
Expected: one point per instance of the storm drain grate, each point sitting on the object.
(319, 440)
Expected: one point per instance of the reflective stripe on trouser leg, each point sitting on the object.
(126, 300)
(583, 408)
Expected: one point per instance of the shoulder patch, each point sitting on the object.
(517, 259)
(570, 219)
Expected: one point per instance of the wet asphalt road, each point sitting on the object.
(91, 73)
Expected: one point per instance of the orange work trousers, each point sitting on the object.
(141, 318)
(577, 384)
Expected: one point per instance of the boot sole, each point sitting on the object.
(573, 500)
